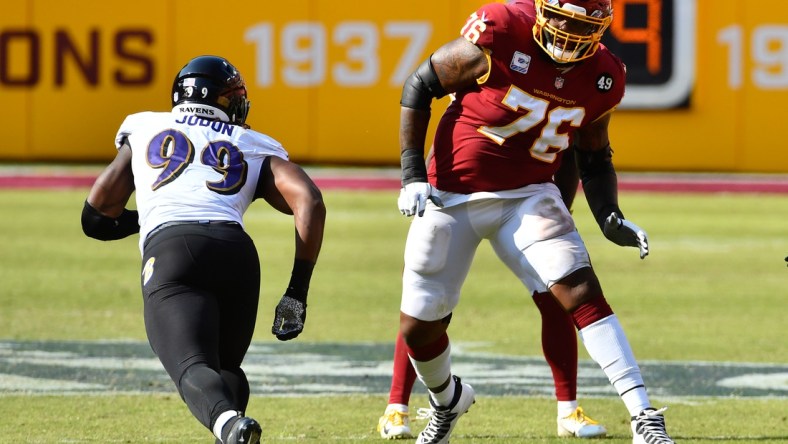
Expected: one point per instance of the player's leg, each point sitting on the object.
(238, 297)
(438, 254)
(448, 396)
(193, 370)
(238, 301)
(563, 265)
(238, 384)
(404, 375)
(395, 422)
(559, 344)
(183, 323)
(523, 225)
(607, 344)
(554, 257)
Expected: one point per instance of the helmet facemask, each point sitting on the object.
(566, 32)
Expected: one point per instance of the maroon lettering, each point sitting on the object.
(89, 66)
(77, 57)
(123, 39)
(12, 77)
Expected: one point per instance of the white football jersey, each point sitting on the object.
(188, 168)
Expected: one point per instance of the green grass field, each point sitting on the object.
(713, 289)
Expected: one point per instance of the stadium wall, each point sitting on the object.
(706, 77)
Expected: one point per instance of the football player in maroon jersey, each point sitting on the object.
(530, 78)
(559, 344)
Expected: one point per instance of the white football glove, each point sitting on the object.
(626, 234)
(413, 198)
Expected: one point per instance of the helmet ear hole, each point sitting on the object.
(212, 87)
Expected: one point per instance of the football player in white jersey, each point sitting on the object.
(195, 171)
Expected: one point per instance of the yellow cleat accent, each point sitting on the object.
(579, 425)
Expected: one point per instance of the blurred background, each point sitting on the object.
(708, 79)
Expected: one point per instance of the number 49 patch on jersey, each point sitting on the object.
(604, 82)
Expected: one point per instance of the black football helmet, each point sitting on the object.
(214, 89)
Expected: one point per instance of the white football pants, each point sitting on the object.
(534, 236)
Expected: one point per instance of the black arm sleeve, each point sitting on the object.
(599, 183)
(567, 177)
(101, 227)
(299, 280)
(421, 87)
(413, 167)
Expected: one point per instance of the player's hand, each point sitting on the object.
(413, 198)
(626, 234)
(289, 318)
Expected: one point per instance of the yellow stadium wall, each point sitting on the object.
(325, 77)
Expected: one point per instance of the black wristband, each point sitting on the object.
(299, 280)
(413, 167)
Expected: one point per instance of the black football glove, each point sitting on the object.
(625, 233)
(289, 318)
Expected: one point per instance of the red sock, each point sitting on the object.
(430, 351)
(589, 312)
(559, 345)
(404, 376)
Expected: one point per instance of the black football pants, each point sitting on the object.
(201, 285)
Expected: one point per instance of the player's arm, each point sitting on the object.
(288, 188)
(266, 189)
(104, 215)
(453, 67)
(594, 159)
(600, 184)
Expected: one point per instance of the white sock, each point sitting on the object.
(566, 408)
(636, 401)
(608, 346)
(445, 396)
(436, 371)
(221, 421)
(397, 407)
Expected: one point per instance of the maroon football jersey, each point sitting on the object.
(510, 130)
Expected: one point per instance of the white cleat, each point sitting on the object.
(394, 424)
(443, 419)
(579, 425)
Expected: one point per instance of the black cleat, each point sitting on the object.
(244, 431)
